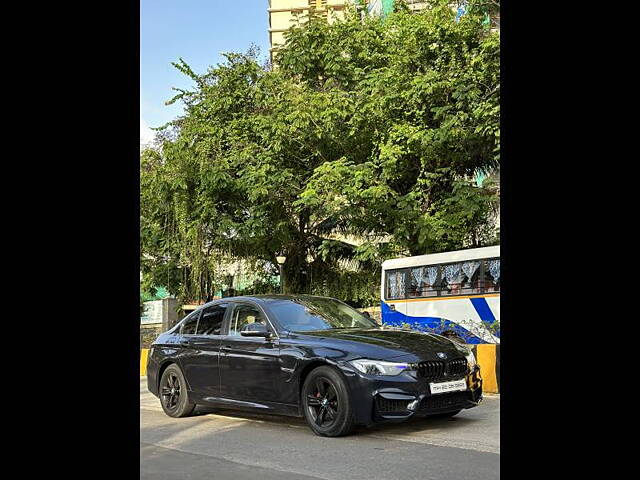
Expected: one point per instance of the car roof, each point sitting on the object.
(272, 298)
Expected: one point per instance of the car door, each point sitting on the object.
(187, 329)
(200, 359)
(249, 366)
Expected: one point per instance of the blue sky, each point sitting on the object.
(198, 31)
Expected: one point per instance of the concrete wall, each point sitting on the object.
(161, 312)
(374, 312)
(148, 333)
(169, 314)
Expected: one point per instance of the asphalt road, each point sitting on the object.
(233, 445)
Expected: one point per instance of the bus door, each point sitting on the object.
(394, 304)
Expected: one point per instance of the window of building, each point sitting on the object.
(211, 320)
(424, 281)
(243, 316)
(190, 324)
(317, 4)
(396, 282)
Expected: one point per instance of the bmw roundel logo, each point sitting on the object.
(442, 355)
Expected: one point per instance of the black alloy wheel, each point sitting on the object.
(326, 403)
(174, 397)
(322, 402)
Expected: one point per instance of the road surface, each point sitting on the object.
(234, 445)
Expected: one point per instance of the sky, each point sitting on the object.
(198, 31)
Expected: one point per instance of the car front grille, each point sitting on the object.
(458, 366)
(431, 370)
(384, 405)
(437, 369)
(444, 401)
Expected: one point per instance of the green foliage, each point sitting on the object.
(366, 129)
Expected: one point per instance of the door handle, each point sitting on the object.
(225, 348)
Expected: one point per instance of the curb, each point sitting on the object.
(487, 356)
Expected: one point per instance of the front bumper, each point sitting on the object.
(378, 399)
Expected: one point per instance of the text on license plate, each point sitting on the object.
(454, 386)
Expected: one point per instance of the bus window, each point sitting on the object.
(470, 277)
(492, 275)
(396, 284)
(424, 282)
(452, 275)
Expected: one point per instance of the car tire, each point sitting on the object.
(326, 403)
(174, 396)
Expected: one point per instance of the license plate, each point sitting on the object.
(444, 387)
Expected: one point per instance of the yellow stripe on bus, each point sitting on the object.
(442, 298)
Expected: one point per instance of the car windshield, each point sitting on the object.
(306, 314)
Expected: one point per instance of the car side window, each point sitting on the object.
(190, 324)
(245, 317)
(211, 319)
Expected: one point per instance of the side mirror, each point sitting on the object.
(256, 330)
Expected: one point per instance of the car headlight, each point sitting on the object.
(378, 367)
(471, 360)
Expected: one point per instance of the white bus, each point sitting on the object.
(452, 291)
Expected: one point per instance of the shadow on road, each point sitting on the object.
(259, 417)
(422, 424)
(477, 428)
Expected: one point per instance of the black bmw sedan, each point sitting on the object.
(308, 356)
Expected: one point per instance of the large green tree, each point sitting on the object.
(367, 129)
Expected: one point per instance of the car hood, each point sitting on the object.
(384, 344)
